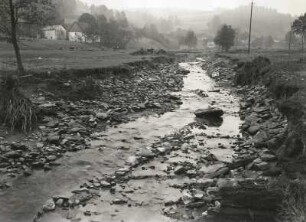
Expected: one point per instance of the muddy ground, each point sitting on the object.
(136, 151)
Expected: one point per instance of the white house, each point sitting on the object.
(54, 32)
(76, 32)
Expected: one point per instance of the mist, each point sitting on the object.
(294, 7)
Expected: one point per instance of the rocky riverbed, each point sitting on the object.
(169, 166)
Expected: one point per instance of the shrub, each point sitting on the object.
(16, 111)
(294, 202)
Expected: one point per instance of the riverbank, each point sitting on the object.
(212, 170)
(207, 167)
(72, 108)
(277, 79)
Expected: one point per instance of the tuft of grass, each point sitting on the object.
(293, 207)
(16, 111)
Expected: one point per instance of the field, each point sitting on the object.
(44, 55)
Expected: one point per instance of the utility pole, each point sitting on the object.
(250, 29)
(290, 39)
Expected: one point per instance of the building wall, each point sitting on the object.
(61, 34)
(50, 34)
(76, 37)
(55, 34)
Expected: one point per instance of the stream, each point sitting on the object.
(113, 149)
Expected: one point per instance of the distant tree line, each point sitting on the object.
(114, 32)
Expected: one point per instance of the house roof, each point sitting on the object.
(53, 27)
(78, 27)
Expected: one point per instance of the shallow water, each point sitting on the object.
(21, 202)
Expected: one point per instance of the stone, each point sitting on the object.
(13, 154)
(187, 197)
(49, 205)
(59, 202)
(268, 157)
(204, 182)
(39, 145)
(253, 130)
(102, 116)
(262, 166)
(51, 158)
(27, 171)
(119, 201)
(209, 112)
(179, 170)
(53, 138)
(17, 146)
(146, 153)
(220, 172)
(105, 184)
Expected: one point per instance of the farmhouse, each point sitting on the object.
(76, 32)
(54, 32)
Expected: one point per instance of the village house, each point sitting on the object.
(76, 32)
(54, 32)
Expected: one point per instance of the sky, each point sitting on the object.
(295, 7)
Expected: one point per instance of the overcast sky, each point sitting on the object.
(295, 7)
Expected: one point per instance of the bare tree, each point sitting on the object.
(13, 11)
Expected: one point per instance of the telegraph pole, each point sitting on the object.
(290, 39)
(250, 29)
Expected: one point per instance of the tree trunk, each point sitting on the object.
(14, 38)
(303, 42)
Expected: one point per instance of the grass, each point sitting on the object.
(293, 207)
(16, 111)
(48, 55)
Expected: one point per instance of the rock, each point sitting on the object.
(147, 153)
(53, 138)
(102, 116)
(13, 154)
(51, 158)
(105, 184)
(17, 146)
(187, 197)
(242, 196)
(242, 161)
(204, 182)
(49, 205)
(59, 202)
(39, 145)
(220, 172)
(180, 170)
(119, 201)
(253, 130)
(262, 166)
(210, 112)
(182, 71)
(27, 171)
(268, 157)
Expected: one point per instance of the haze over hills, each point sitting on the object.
(205, 23)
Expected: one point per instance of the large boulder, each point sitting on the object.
(209, 113)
